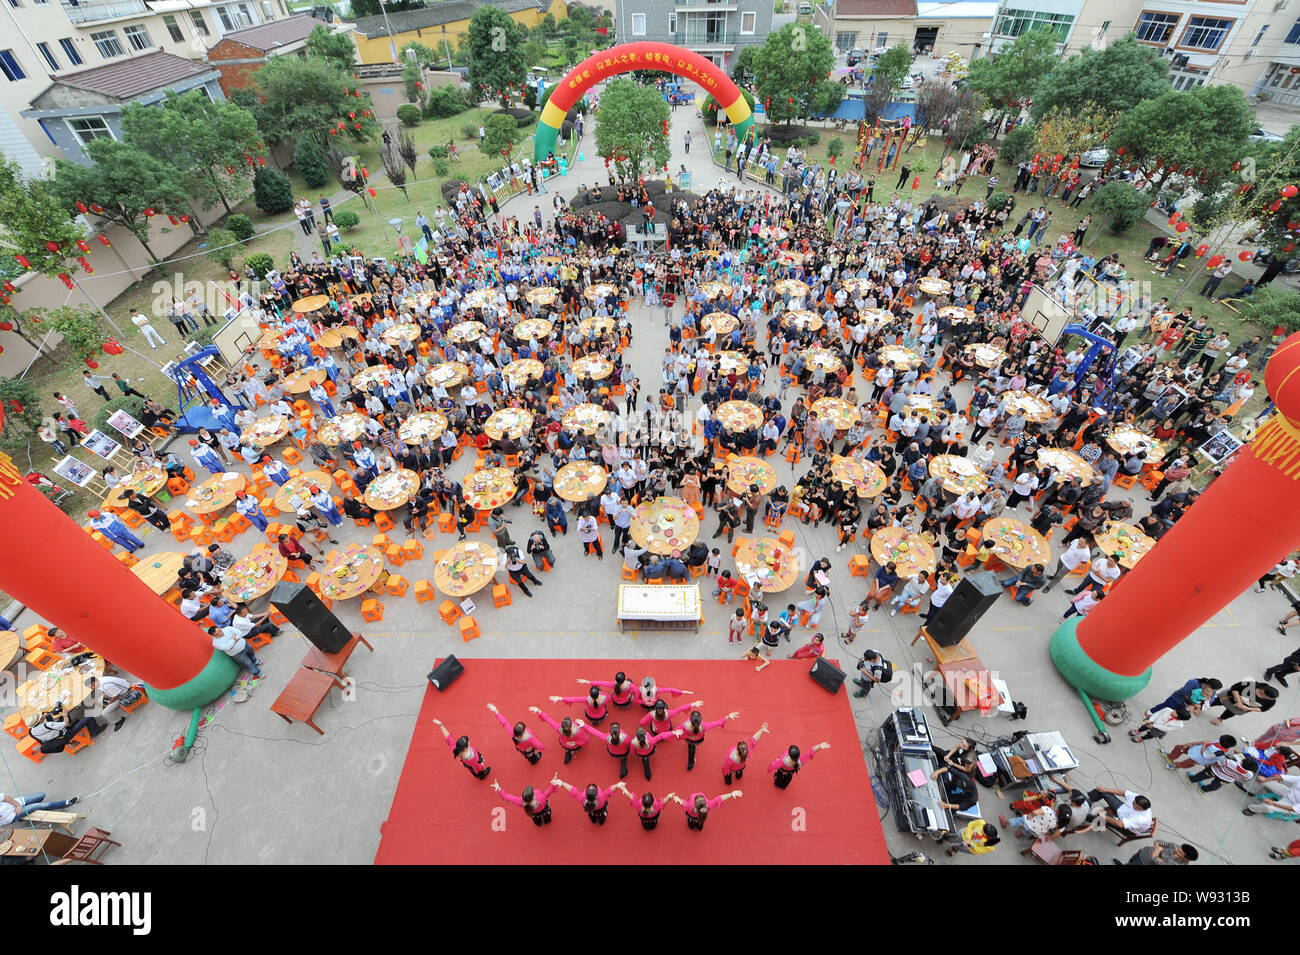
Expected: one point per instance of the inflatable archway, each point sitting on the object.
(639, 56)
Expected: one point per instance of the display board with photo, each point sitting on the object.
(75, 471)
(124, 423)
(101, 444)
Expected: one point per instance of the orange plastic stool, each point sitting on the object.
(42, 659)
(412, 550)
(30, 747)
(372, 611)
(468, 629)
(449, 612)
(128, 559)
(381, 541)
(15, 726)
(292, 456)
(859, 565)
(501, 596)
(79, 742)
(446, 522)
(394, 555)
(383, 521)
(396, 585)
(424, 591)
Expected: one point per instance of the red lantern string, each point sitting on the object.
(103, 239)
(81, 244)
(81, 206)
(52, 246)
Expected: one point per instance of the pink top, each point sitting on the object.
(539, 799)
(470, 757)
(579, 739)
(663, 726)
(527, 742)
(689, 806)
(621, 697)
(594, 714)
(602, 798)
(651, 742)
(805, 757)
(692, 736)
(655, 806)
(732, 761)
(659, 691)
(620, 748)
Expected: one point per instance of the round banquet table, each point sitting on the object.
(480, 297)
(267, 431)
(840, 412)
(1015, 543)
(712, 290)
(392, 489)
(869, 480)
(593, 367)
(422, 426)
(857, 286)
(43, 690)
(934, 287)
(586, 418)
(729, 361)
(876, 318)
(789, 256)
(1068, 463)
(159, 571)
(449, 374)
(146, 482)
(523, 370)
(985, 355)
(736, 416)
(334, 337)
(361, 566)
(466, 332)
(255, 575)
(803, 320)
(776, 566)
(399, 334)
(529, 328)
(544, 295)
(345, 427)
(723, 323)
(957, 474)
(216, 493)
(311, 303)
(1123, 540)
(745, 471)
(304, 380)
(773, 232)
(1034, 408)
(489, 488)
(922, 404)
(601, 323)
(600, 290)
(792, 287)
(301, 486)
(514, 422)
(887, 544)
(664, 525)
(823, 358)
(956, 312)
(10, 646)
(1126, 439)
(466, 568)
(580, 481)
(378, 374)
(903, 358)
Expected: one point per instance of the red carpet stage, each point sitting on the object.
(442, 814)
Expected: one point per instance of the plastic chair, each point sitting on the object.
(629, 574)
(292, 456)
(468, 629)
(396, 585)
(383, 521)
(30, 747)
(79, 742)
(450, 612)
(501, 596)
(412, 550)
(372, 611)
(424, 591)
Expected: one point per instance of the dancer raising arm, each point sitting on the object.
(593, 799)
(573, 733)
(649, 692)
(733, 764)
(660, 719)
(595, 708)
(529, 746)
(786, 765)
(646, 805)
(621, 690)
(697, 806)
(643, 745)
(534, 804)
(617, 743)
(693, 731)
(468, 756)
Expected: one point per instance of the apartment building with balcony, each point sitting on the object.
(43, 42)
(715, 29)
(960, 26)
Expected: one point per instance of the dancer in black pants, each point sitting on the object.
(643, 745)
(528, 745)
(785, 766)
(617, 743)
(646, 805)
(593, 799)
(471, 759)
(535, 805)
(693, 731)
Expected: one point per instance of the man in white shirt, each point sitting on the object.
(1077, 553)
(1132, 811)
(150, 334)
(1103, 572)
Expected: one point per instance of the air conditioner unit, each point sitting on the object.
(1281, 5)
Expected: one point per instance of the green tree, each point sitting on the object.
(206, 141)
(272, 192)
(309, 160)
(1275, 166)
(1115, 79)
(22, 405)
(496, 53)
(411, 77)
(1017, 72)
(222, 247)
(260, 262)
(1018, 145)
(126, 182)
(502, 132)
(742, 67)
(630, 127)
(1124, 204)
(421, 55)
(1198, 133)
(240, 226)
(1270, 306)
(547, 27)
(893, 66)
(336, 47)
(83, 334)
(302, 97)
(788, 69)
(373, 8)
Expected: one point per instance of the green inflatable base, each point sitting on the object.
(208, 684)
(1087, 675)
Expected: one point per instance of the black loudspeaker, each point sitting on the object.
(964, 607)
(445, 673)
(305, 611)
(827, 674)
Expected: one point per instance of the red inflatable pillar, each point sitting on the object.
(51, 565)
(1244, 523)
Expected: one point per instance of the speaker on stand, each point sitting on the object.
(968, 602)
(827, 674)
(304, 609)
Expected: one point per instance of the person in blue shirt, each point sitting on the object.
(556, 519)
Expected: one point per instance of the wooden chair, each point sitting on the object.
(85, 849)
(1124, 836)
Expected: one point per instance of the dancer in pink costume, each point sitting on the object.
(622, 691)
(734, 763)
(534, 804)
(595, 709)
(617, 743)
(646, 805)
(786, 765)
(593, 799)
(470, 758)
(660, 719)
(693, 730)
(698, 806)
(649, 692)
(529, 746)
(573, 733)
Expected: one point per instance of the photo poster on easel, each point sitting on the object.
(75, 471)
(125, 424)
(1220, 447)
(100, 444)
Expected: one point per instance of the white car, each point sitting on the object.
(1094, 158)
(1264, 136)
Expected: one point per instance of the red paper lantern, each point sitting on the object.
(261, 161)
(1, 349)
(1120, 151)
(66, 279)
(1202, 249)
(333, 131)
(171, 218)
(185, 218)
(86, 265)
(1215, 261)
(22, 260)
(352, 115)
(81, 206)
(1275, 205)
(103, 239)
(371, 190)
(9, 287)
(95, 208)
(4, 299)
(358, 125)
(1245, 256)
(1288, 247)
(230, 170)
(81, 244)
(1181, 227)
(52, 246)
(6, 326)
(150, 212)
(1289, 191)
(916, 182)
(1175, 217)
